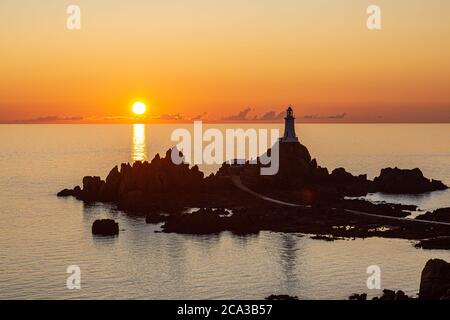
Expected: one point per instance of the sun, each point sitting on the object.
(139, 108)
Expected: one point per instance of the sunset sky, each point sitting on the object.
(217, 58)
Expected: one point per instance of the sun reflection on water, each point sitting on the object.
(139, 151)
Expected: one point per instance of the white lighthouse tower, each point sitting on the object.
(289, 127)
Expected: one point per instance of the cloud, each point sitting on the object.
(112, 118)
(311, 116)
(272, 115)
(338, 116)
(50, 119)
(241, 116)
(334, 116)
(199, 117)
(169, 117)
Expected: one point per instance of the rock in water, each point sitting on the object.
(435, 280)
(395, 180)
(442, 214)
(105, 227)
(70, 192)
(434, 243)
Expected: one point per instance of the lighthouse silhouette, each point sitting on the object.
(289, 127)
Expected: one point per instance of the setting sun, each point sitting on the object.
(139, 108)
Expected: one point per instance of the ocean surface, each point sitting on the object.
(41, 235)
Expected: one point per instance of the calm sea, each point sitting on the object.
(41, 235)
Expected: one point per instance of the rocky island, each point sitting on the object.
(301, 197)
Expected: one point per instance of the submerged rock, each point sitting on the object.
(105, 227)
(435, 280)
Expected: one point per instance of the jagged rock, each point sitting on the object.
(141, 185)
(349, 184)
(408, 181)
(91, 188)
(112, 184)
(105, 227)
(435, 280)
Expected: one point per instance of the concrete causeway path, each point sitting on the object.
(238, 183)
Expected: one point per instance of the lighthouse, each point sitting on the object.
(289, 127)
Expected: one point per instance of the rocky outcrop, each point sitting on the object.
(408, 181)
(105, 227)
(75, 192)
(435, 280)
(93, 188)
(155, 217)
(442, 215)
(434, 243)
(434, 284)
(160, 189)
(388, 295)
(142, 185)
(321, 221)
(358, 297)
(348, 184)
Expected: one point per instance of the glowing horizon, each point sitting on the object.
(213, 61)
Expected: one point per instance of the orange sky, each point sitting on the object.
(217, 58)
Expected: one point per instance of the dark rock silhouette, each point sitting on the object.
(395, 180)
(318, 220)
(358, 297)
(388, 295)
(144, 186)
(281, 297)
(155, 217)
(434, 243)
(75, 192)
(442, 214)
(161, 189)
(105, 227)
(435, 280)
